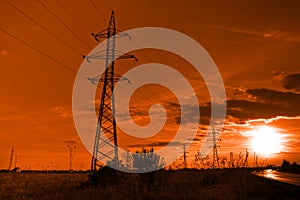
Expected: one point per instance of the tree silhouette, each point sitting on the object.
(147, 160)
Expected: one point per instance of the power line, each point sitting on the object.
(55, 16)
(149, 90)
(74, 16)
(38, 50)
(42, 27)
(110, 8)
(44, 54)
(95, 6)
(107, 5)
(98, 11)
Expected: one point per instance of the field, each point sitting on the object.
(181, 184)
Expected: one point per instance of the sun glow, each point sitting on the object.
(266, 140)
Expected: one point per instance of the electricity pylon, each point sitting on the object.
(184, 157)
(72, 150)
(106, 124)
(215, 150)
(11, 159)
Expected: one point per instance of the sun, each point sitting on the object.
(266, 140)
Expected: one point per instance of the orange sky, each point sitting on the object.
(254, 44)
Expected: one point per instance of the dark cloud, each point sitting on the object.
(245, 110)
(292, 82)
(287, 99)
(70, 141)
(155, 144)
(265, 104)
(268, 104)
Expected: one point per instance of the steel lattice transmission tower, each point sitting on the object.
(106, 122)
(215, 150)
(11, 159)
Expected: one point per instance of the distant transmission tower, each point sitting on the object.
(184, 157)
(106, 124)
(11, 159)
(72, 151)
(246, 159)
(215, 150)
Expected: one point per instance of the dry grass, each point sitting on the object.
(182, 184)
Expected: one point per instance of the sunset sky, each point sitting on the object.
(255, 45)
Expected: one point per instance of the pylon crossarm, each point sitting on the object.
(88, 58)
(95, 80)
(121, 34)
(102, 34)
(101, 55)
(124, 33)
(97, 55)
(106, 34)
(127, 56)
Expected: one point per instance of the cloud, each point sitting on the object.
(292, 82)
(288, 99)
(61, 111)
(264, 104)
(260, 121)
(238, 30)
(156, 144)
(281, 117)
(268, 104)
(275, 35)
(4, 53)
(278, 75)
(282, 36)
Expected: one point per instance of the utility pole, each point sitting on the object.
(184, 157)
(246, 159)
(72, 150)
(11, 159)
(106, 125)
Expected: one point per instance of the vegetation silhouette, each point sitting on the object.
(173, 184)
(146, 161)
(291, 168)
